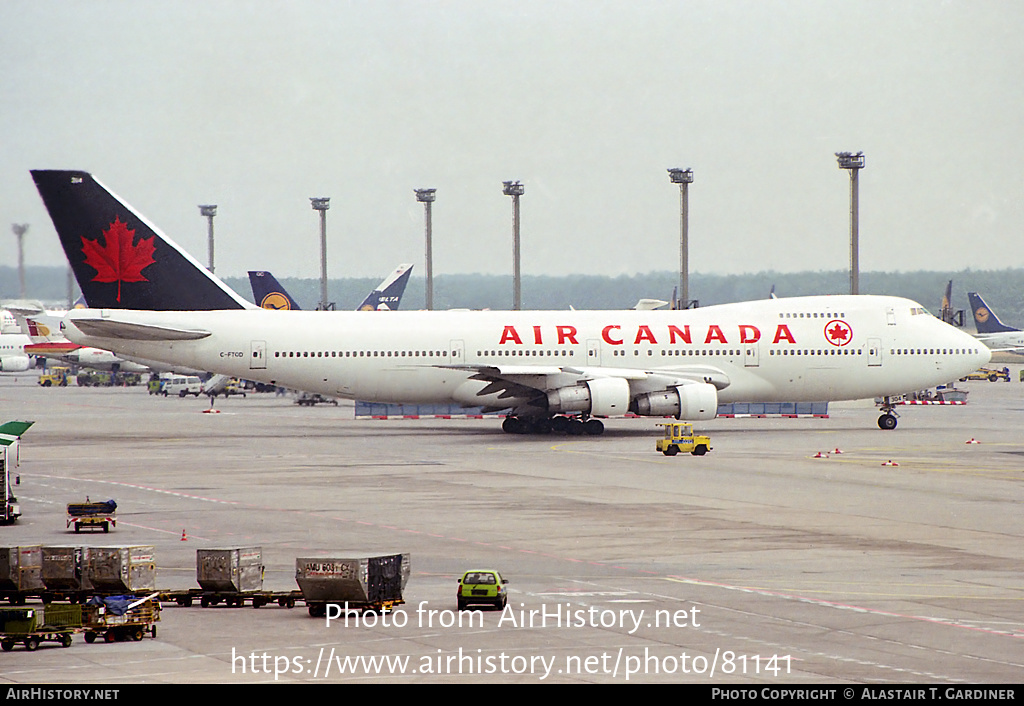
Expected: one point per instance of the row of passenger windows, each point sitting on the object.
(362, 354)
(570, 353)
(542, 354)
(840, 315)
(932, 351)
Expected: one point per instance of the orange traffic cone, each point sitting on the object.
(183, 537)
(972, 440)
(890, 462)
(820, 455)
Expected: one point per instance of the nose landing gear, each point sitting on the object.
(888, 419)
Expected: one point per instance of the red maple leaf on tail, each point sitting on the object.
(118, 260)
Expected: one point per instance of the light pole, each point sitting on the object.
(209, 211)
(683, 177)
(854, 163)
(426, 197)
(19, 230)
(515, 190)
(321, 204)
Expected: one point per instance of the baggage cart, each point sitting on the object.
(32, 626)
(90, 516)
(117, 618)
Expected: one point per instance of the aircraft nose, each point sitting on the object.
(982, 353)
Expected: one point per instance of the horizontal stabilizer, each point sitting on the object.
(108, 328)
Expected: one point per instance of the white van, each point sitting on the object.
(182, 385)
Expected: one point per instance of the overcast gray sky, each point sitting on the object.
(256, 106)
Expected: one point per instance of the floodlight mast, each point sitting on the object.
(427, 197)
(683, 177)
(853, 163)
(321, 204)
(209, 211)
(19, 230)
(515, 189)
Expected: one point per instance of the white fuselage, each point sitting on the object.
(1006, 341)
(13, 358)
(799, 349)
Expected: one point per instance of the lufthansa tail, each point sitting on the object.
(985, 320)
(122, 261)
(268, 293)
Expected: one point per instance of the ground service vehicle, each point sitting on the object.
(56, 377)
(89, 515)
(482, 587)
(10, 442)
(182, 385)
(679, 436)
(990, 374)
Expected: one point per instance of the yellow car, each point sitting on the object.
(482, 587)
(679, 436)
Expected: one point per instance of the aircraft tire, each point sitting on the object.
(593, 427)
(512, 425)
(887, 422)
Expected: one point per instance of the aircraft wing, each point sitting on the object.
(530, 384)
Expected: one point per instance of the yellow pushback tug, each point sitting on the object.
(679, 436)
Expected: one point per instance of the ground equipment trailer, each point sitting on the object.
(90, 515)
(32, 626)
(232, 599)
(232, 576)
(363, 584)
(118, 618)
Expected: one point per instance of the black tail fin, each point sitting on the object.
(268, 293)
(121, 260)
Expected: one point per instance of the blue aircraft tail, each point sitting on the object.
(388, 294)
(268, 293)
(121, 260)
(985, 320)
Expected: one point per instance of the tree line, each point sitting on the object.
(1003, 289)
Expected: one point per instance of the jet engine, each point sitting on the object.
(607, 397)
(14, 363)
(695, 402)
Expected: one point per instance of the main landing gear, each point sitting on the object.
(888, 419)
(572, 426)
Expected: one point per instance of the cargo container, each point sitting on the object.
(65, 572)
(232, 569)
(130, 569)
(365, 583)
(20, 572)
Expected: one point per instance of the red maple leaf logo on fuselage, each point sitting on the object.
(118, 260)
